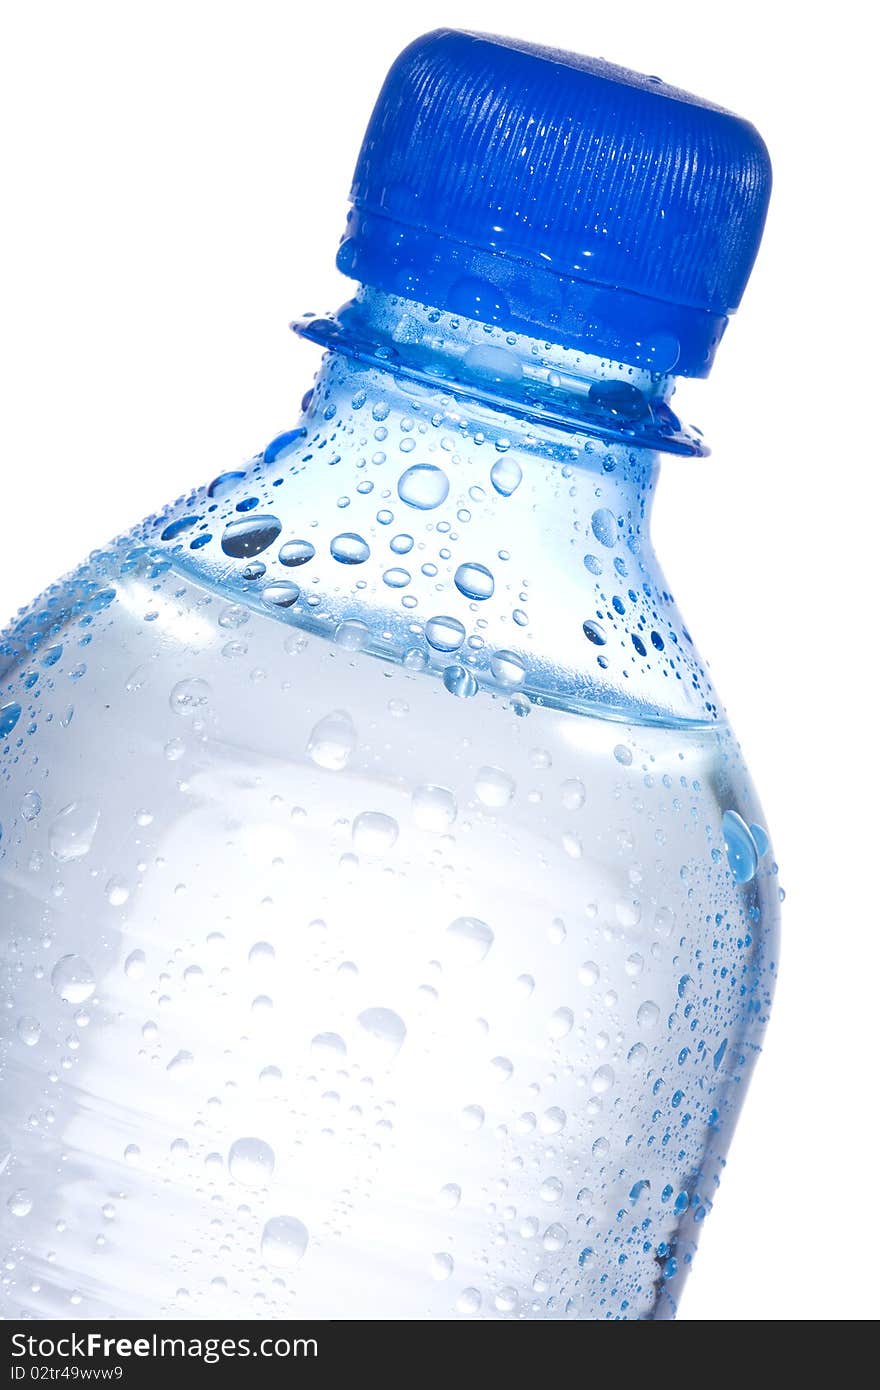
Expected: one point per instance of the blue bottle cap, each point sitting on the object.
(558, 196)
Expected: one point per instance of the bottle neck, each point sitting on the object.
(433, 509)
(554, 387)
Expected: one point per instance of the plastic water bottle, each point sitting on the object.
(389, 921)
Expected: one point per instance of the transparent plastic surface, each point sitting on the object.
(386, 932)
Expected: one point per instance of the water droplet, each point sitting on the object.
(471, 939)
(224, 483)
(283, 1242)
(332, 741)
(444, 634)
(560, 1023)
(604, 526)
(31, 806)
(397, 578)
(135, 965)
(349, 548)
(293, 553)
(282, 594)
(251, 1162)
(9, 717)
(190, 697)
(374, 833)
(623, 754)
(506, 476)
(180, 1062)
(328, 1047)
(21, 1203)
(29, 1031)
(500, 1069)
(474, 581)
(574, 794)
(433, 808)
(73, 830)
(449, 1196)
(73, 980)
(507, 668)
(352, 635)
(555, 1238)
(553, 1121)
(596, 634)
(383, 1032)
(525, 986)
(402, 544)
(117, 891)
(442, 1265)
(603, 1080)
(551, 1190)
(132, 1154)
(469, 1301)
(249, 535)
(261, 954)
(461, 682)
(473, 1117)
(423, 486)
(494, 787)
(648, 1015)
(742, 852)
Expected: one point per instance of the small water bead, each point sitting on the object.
(352, 635)
(433, 808)
(444, 634)
(10, 714)
(506, 476)
(473, 1117)
(573, 794)
(442, 1266)
(29, 1030)
(551, 1190)
(31, 806)
(261, 954)
(190, 697)
(328, 1047)
(132, 1154)
(742, 851)
(623, 755)
(553, 1121)
(384, 517)
(332, 741)
(21, 1203)
(507, 668)
(634, 965)
(560, 1023)
(349, 548)
(555, 1238)
(295, 553)
(224, 483)
(449, 1196)
(281, 594)
(500, 1069)
(372, 832)
(461, 682)
(471, 939)
(73, 830)
(251, 1162)
(648, 1015)
(73, 980)
(383, 1032)
(402, 544)
(602, 1081)
(423, 486)
(604, 526)
(595, 633)
(601, 1148)
(135, 965)
(475, 581)
(397, 578)
(494, 787)
(284, 1242)
(469, 1301)
(250, 535)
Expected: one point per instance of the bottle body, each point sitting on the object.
(390, 926)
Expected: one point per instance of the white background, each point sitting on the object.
(174, 179)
